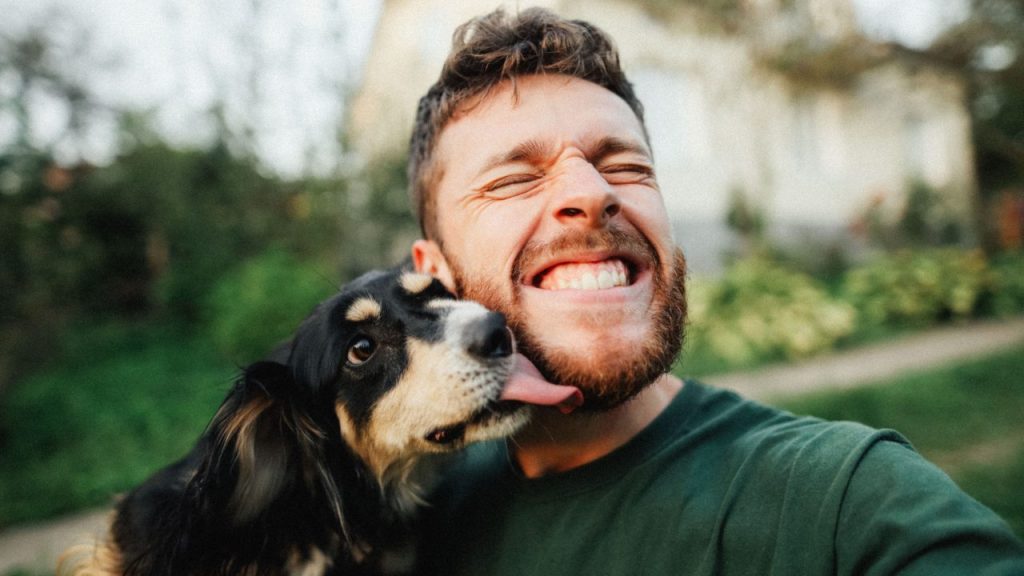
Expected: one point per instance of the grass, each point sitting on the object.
(968, 418)
(121, 402)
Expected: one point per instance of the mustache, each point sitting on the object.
(601, 239)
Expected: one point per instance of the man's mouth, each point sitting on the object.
(601, 275)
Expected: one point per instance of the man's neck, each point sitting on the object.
(554, 442)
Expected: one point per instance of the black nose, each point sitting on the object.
(489, 337)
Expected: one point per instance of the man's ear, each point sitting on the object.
(428, 259)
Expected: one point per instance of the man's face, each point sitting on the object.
(549, 211)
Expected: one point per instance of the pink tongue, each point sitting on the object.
(527, 385)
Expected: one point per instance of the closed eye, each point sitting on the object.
(510, 185)
(627, 173)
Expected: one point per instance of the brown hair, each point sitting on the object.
(489, 49)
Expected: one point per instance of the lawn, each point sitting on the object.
(121, 402)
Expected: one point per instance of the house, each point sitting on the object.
(782, 104)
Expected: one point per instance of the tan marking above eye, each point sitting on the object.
(363, 309)
(414, 282)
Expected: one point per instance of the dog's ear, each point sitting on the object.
(258, 465)
(263, 440)
(316, 353)
(248, 437)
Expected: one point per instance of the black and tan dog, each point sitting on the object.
(315, 464)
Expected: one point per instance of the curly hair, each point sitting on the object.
(496, 47)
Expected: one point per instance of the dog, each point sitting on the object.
(318, 458)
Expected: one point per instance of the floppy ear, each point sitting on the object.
(256, 472)
(248, 444)
(264, 443)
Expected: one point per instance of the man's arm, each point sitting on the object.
(902, 515)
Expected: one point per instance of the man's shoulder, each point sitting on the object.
(747, 425)
(785, 452)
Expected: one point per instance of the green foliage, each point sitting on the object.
(378, 223)
(51, 251)
(709, 15)
(918, 288)
(260, 303)
(986, 46)
(761, 311)
(925, 220)
(813, 60)
(1008, 284)
(152, 232)
(209, 209)
(122, 401)
(159, 224)
(23, 572)
(746, 219)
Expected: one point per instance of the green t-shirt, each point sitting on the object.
(718, 485)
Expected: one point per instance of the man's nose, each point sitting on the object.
(585, 199)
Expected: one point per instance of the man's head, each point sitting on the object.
(533, 179)
(499, 47)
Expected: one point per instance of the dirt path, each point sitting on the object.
(876, 362)
(36, 547)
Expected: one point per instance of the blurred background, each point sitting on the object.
(181, 181)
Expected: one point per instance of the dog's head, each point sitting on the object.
(409, 369)
(389, 370)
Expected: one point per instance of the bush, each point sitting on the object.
(118, 402)
(260, 304)
(760, 311)
(919, 288)
(1008, 284)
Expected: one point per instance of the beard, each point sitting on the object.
(610, 380)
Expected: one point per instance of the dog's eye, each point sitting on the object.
(361, 350)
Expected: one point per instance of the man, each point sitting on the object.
(533, 180)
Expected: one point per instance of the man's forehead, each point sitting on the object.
(537, 112)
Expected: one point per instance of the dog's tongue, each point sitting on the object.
(527, 385)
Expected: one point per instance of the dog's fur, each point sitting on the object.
(317, 459)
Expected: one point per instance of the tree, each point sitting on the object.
(41, 74)
(988, 47)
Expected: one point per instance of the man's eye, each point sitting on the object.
(626, 173)
(509, 185)
(361, 349)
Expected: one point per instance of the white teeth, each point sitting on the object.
(593, 276)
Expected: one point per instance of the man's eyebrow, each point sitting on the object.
(611, 145)
(530, 151)
(534, 151)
